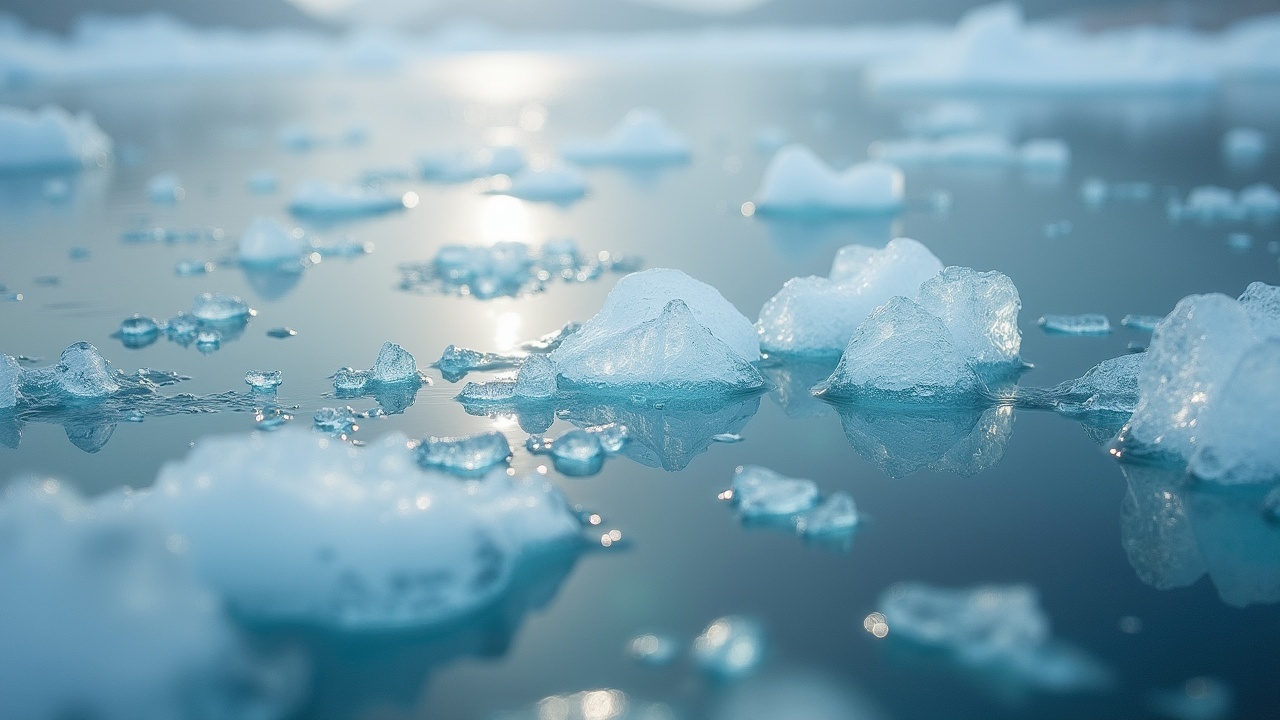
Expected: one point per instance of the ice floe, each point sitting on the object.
(998, 632)
(797, 182)
(764, 496)
(50, 139)
(643, 137)
(816, 315)
(562, 184)
(508, 269)
(323, 200)
(471, 456)
(332, 536)
(582, 451)
(1208, 387)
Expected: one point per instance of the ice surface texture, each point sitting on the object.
(1110, 387)
(662, 330)
(80, 375)
(815, 315)
(10, 379)
(643, 137)
(797, 182)
(1208, 387)
(335, 537)
(266, 242)
(995, 630)
(106, 596)
(50, 138)
(323, 200)
(394, 366)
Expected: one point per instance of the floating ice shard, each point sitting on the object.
(1209, 203)
(108, 597)
(456, 362)
(759, 492)
(10, 372)
(837, 515)
(1207, 390)
(561, 184)
(81, 374)
(1200, 698)
(798, 182)
(281, 333)
(394, 365)
(338, 421)
(671, 354)
(1084, 324)
(551, 340)
(457, 166)
(220, 308)
(508, 269)
(730, 648)
(905, 439)
(578, 453)
(470, 456)
(50, 138)
(996, 631)
(333, 536)
(138, 331)
(1143, 323)
(901, 353)
(643, 137)
(263, 380)
(536, 379)
(1108, 388)
(323, 200)
(268, 243)
(814, 315)
(1244, 147)
(393, 380)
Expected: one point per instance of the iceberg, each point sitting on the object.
(643, 137)
(471, 456)
(50, 139)
(331, 536)
(1141, 323)
(458, 166)
(797, 182)
(268, 243)
(1207, 387)
(108, 597)
(562, 184)
(1083, 324)
(1244, 147)
(815, 316)
(326, 201)
(998, 632)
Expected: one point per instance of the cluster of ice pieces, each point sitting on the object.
(214, 317)
(986, 149)
(322, 200)
(995, 631)
(508, 269)
(1210, 203)
(959, 335)
(797, 182)
(762, 495)
(50, 139)
(393, 380)
(107, 597)
(457, 166)
(561, 184)
(643, 137)
(815, 315)
(582, 451)
(1210, 387)
(334, 536)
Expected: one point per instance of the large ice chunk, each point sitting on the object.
(642, 137)
(81, 374)
(798, 182)
(50, 138)
(998, 631)
(980, 310)
(902, 353)
(1240, 438)
(814, 315)
(10, 373)
(327, 535)
(103, 617)
(267, 242)
(670, 354)
(314, 198)
(536, 378)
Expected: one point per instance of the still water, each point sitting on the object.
(1044, 505)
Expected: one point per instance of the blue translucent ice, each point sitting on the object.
(10, 371)
(219, 308)
(469, 456)
(578, 452)
(759, 492)
(263, 380)
(81, 374)
(456, 362)
(1142, 323)
(561, 184)
(536, 379)
(1084, 324)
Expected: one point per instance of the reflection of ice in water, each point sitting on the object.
(903, 440)
(1175, 530)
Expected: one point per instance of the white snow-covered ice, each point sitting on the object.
(642, 137)
(798, 182)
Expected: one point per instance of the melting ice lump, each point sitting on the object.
(1210, 203)
(663, 330)
(760, 492)
(394, 366)
(1083, 324)
(643, 136)
(81, 374)
(267, 242)
(815, 315)
(1244, 147)
(334, 536)
(798, 182)
(1208, 390)
(50, 138)
(536, 378)
(980, 309)
(996, 630)
(470, 456)
(103, 617)
(320, 199)
(219, 308)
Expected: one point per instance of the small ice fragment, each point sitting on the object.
(50, 138)
(578, 453)
(643, 136)
(208, 340)
(1244, 147)
(80, 374)
(456, 362)
(10, 371)
(273, 422)
(267, 242)
(613, 437)
(558, 183)
(1084, 324)
(182, 328)
(552, 340)
(1200, 698)
(538, 444)
(760, 493)
(219, 308)
(469, 456)
(350, 380)
(263, 182)
(318, 199)
(1240, 242)
(730, 647)
(338, 421)
(281, 332)
(1208, 203)
(1093, 191)
(727, 438)
(165, 188)
(394, 365)
(263, 380)
(1141, 323)
(797, 181)
(536, 379)
(653, 650)
(191, 268)
(137, 330)
(837, 515)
